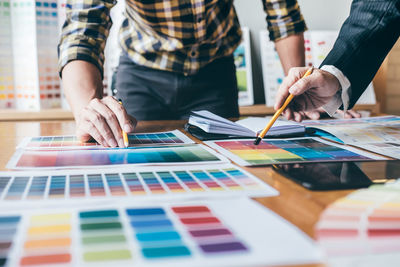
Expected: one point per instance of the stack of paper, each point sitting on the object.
(211, 123)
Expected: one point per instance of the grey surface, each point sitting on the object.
(319, 15)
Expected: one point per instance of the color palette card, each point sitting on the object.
(282, 151)
(130, 183)
(95, 158)
(206, 233)
(71, 142)
(363, 223)
(362, 130)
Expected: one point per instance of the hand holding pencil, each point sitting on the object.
(279, 112)
(310, 92)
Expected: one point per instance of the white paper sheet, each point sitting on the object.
(268, 239)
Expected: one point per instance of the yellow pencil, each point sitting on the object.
(278, 112)
(124, 134)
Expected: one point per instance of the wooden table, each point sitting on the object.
(294, 203)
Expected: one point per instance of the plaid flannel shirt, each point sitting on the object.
(172, 35)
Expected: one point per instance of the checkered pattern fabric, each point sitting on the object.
(173, 35)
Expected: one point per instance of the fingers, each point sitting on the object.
(109, 124)
(87, 130)
(101, 125)
(313, 115)
(354, 113)
(303, 84)
(103, 120)
(283, 92)
(123, 118)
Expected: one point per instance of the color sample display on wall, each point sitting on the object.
(72, 142)
(137, 183)
(7, 96)
(280, 151)
(35, 37)
(206, 233)
(95, 158)
(365, 222)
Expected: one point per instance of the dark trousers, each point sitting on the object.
(150, 94)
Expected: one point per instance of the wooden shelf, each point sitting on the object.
(42, 115)
(62, 114)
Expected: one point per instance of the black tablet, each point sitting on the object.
(340, 175)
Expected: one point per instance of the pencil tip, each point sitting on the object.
(257, 141)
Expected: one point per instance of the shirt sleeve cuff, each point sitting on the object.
(342, 97)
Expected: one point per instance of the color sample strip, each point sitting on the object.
(154, 138)
(75, 184)
(4, 180)
(8, 229)
(103, 237)
(134, 184)
(137, 139)
(48, 240)
(188, 180)
(242, 178)
(209, 233)
(171, 182)
(110, 157)
(38, 187)
(364, 222)
(17, 188)
(96, 185)
(156, 234)
(57, 186)
(206, 180)
(284, 151)
(152, 183)
(115, 184)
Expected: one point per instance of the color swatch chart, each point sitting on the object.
(111, 157)
(363, 130)
(365, 222)
(192, 234)
(72, 142)
(138, 183)
(275, 151)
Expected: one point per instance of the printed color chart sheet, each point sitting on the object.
(134, 183)
(360, 131)
(95, 158)
(280, 151)
(206, 233)
(365, 222)
(71, 142)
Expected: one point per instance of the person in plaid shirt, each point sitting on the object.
(177, 57)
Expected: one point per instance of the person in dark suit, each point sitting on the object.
(365, 39)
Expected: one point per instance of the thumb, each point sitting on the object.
(302, 85)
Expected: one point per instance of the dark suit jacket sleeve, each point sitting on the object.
(364, 40)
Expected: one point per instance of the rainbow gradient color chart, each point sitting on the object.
(130, 183)
(95, 158)
(71, 142)
(207, 233)
(365, 222)
(294, 150)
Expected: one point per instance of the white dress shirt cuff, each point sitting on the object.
(342, 97)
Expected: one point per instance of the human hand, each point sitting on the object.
(319, 112)
(311, 92)
(103, 120)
